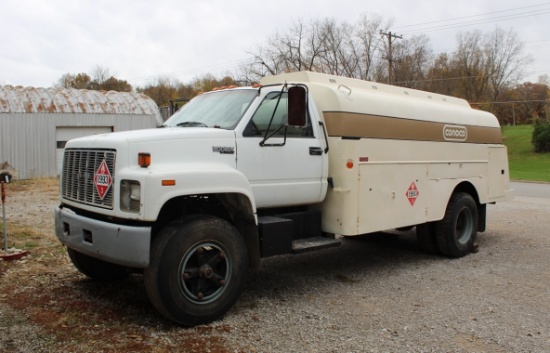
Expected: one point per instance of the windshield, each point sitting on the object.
(222, 109)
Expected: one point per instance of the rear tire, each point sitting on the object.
(456, 232)
(97, 269)
(197, 270)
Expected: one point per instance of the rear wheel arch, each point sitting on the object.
(470, 189)
(439, 237)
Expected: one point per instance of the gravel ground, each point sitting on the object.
(376, 293)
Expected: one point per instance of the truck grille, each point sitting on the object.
(79, 168)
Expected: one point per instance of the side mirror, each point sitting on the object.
(297, 106)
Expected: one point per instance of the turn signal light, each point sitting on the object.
(144, 159)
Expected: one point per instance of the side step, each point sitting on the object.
(315, 243)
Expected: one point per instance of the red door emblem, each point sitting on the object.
(412, 193)
(102, 180)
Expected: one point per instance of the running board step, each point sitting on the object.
(315, 243)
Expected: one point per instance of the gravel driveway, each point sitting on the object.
(377, 293)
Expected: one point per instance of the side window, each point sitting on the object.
(259, 123)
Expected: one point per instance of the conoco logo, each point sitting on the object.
(455, 133)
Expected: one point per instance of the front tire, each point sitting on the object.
(197, 270)
(97, 269)
(457, 231)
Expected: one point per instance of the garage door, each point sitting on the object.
(64, 134)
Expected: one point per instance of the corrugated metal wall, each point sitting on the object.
(29, 118)
(28, 141)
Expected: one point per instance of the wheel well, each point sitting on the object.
(232, 207)
(468, 188)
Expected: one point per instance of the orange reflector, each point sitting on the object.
(168, 182)
(144, 159)
(349, 164)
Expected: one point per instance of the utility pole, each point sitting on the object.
(391, 38)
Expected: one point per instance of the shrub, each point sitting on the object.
(541, 137)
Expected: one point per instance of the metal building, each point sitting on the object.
(35, 123)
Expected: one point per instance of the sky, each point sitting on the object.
(141, 41)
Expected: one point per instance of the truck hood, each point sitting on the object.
(170, 148)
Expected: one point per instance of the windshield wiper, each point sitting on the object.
(192, 124)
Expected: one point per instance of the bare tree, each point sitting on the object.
(161, 90)
(413, 58)
(484, 64)
(366, 43)
(294, 49)
(78, 81)
(322, 46)
(100, 74)
(100, 80)
(333, 55)
(441, 76)
(471, 66)
(478, 70)
(505, 59)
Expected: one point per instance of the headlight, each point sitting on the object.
(130, 196)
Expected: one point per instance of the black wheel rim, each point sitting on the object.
(204, 273)
(464, 226)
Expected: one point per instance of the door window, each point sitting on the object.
(261, 123)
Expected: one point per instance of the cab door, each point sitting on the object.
(284, 164)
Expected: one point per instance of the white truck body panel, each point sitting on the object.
(396, 138)
(373, 195)
(182, 155)
(282, 176)
(408, 150)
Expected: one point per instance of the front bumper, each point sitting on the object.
(118, 244)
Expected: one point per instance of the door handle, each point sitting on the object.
(315, 151)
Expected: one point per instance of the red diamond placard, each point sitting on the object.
(412, 193)
(102, 180)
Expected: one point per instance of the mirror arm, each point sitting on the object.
(325, 133)
(263, 144)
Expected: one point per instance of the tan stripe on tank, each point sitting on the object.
(341, 124)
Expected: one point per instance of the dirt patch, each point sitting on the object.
(47, 306)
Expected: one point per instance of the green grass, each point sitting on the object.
(524, 163)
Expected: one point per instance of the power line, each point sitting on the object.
(444, 25)
(478, 22)
(501, 15)
(510, 102)
(444, 79)
(472, 16)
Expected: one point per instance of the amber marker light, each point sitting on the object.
(144, 159)
(349, 164)
(170, 182)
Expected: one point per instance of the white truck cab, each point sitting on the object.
(290, 166)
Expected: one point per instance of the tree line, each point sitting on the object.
(486, 69)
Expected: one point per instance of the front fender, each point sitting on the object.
(162, 186)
